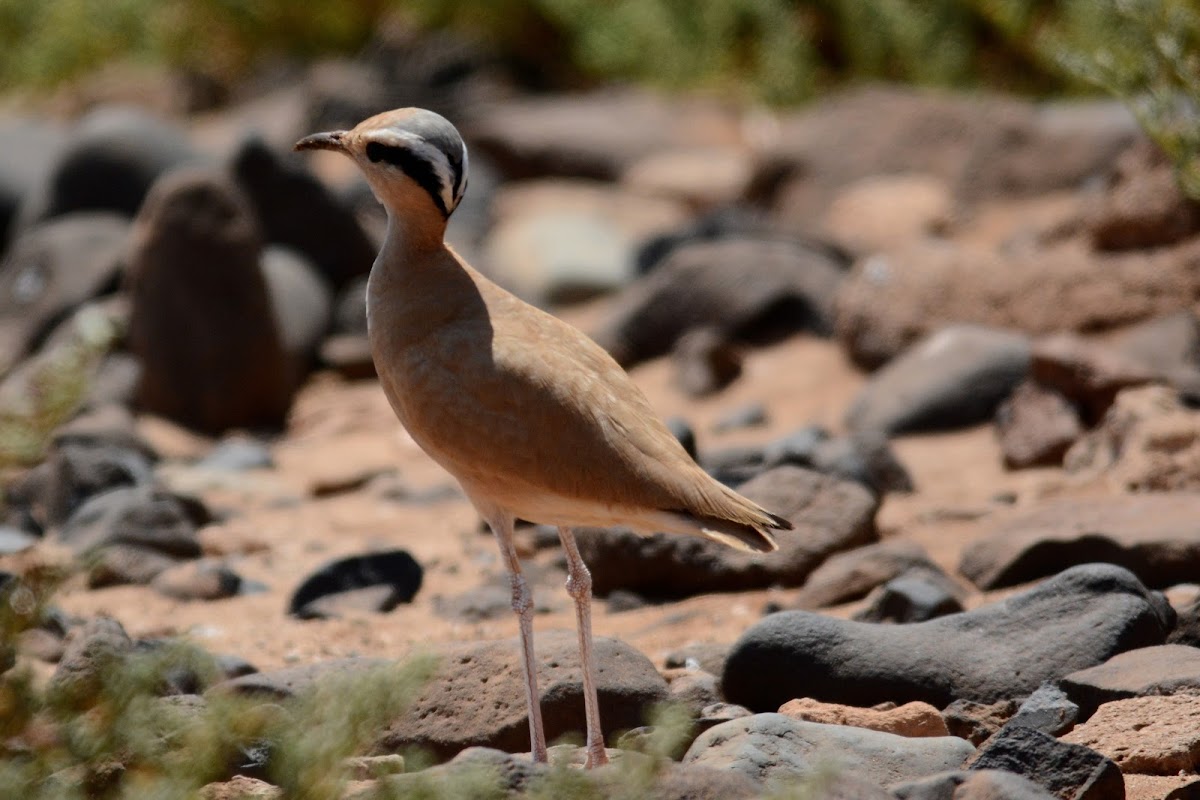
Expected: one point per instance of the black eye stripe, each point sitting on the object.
(411, 165)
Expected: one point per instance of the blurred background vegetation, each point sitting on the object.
(778, 52)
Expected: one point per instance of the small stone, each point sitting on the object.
(1036, 426)
(1048, 710)
(912, 597)
(206, 579)
(1065, 769)
(1165, 669)
(705, 362)
(951, 379)
(910, 719)
(976, 722)
(394, 575)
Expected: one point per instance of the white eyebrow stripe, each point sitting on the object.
(424, 150)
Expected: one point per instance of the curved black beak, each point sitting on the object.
(322, 141)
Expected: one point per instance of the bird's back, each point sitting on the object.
(531, 415)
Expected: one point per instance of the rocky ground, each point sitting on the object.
(952, 339)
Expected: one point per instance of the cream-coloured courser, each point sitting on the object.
(532, 418)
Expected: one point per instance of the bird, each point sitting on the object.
(533, 419)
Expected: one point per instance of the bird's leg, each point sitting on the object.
(579, 586)
(522, 604)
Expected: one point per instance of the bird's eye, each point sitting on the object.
(377, 152)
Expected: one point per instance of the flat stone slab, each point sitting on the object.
(1075, 620)
(776, 747)
(1165, 669)
(1155, 536)
(1146, 735)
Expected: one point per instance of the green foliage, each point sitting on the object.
(1146, 52)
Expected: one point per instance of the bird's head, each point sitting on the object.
(414, 160)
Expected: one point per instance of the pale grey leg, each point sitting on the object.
(579, 586)
(522, 603)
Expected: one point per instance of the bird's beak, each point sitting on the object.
(323, 141)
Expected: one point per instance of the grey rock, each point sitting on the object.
(954, 378)
(852, 574)
(774, 747)
(780, 287)
(52, 269)
(206, 579)
(1062, 768)
(237, 454)
(1164, 669)
(708, 656)
(130, 534)
(98, 646)
(705, 362)
(296, 210)
(52, 491)
(751, 415)
(910, 598)
(289, 682)
(29, 148)
(15, 540)
(1155, 536)
(987, 784)
(977, 722)
(696, 690)
(477, 696)
(829, 515)
(301, 302)
(1074, 620)
(108, 163)
(1048, 710)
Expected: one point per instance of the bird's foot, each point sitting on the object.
(597, 756)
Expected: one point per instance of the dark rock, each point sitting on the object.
(829, 515)
(954, 378)
(130, 534)
(1190, 791)
(752, 415)
(774, 747)
(1165, 669)
(890, 300)
(910, 598)
(109, 162)
(862, 456)
(396, 570)
(1145, 207)
(1187, 626)
(52, 491)
(1088, 373)
(730, 222)
(620, 600)
(1036, 426)
(988, 784)
(302, 304)
(52, 269)
(233, 666)
(208, 362)
(108, 425)
(1077, 619)
(977, 722)
(207, 579)
(1049, 710)
(705, 362)
(851, 575)
(296, 210)
(477, 697)
(780, 287)
(1063, 769)
(682, 430)
(1155, 536)
(97, 647)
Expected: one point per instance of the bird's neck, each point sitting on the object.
(414, 234)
